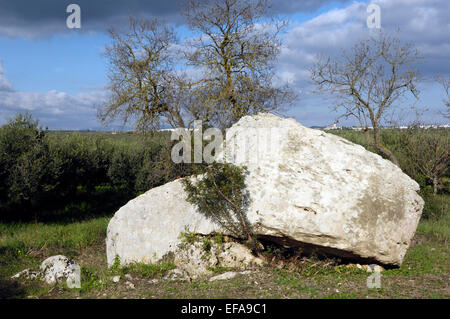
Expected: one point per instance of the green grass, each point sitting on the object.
(149, 270)
(424, 273)
(439, 229)
(73, 235)
(21, 241)
(427, 258)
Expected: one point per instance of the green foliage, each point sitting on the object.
(116, 267)
(436, 207)
(50, 176)
(90, 280)
(218, 239)
(24, 162)
(428, 153)
(187, 237)
(206, 245)
(219, 193)
(217, 270)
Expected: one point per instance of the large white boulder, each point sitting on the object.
(306, 188)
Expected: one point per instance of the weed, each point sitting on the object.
(150, 270)
(206, 245)
(187, 237)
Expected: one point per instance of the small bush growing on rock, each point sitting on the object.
(218, 239)
(206, 245)
(220, 194)
(187, 237)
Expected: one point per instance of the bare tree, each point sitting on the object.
(143, 85)
(236, 51)
(445, 82)
(369, 80)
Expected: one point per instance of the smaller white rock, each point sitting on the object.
(55, 269)
(224, 276)
(115, 279)
(20, 274)
(60, 268)
(128, 276)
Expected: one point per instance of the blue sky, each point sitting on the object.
(59, 74)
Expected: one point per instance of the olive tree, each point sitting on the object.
(369, 80)
(428, 152)
(25, 174)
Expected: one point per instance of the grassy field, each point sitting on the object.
(425, 272)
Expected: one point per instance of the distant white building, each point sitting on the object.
(333, 127)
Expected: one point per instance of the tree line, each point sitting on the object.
(47, 173)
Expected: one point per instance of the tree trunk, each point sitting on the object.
(435, 185)
(380, 147)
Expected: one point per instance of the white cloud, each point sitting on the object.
(5, 85)
(59, 109)
(420, 22)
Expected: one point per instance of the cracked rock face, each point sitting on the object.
(307, 188)
(195, 261)
(59, 269)
(55, 269)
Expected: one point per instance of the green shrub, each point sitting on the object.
(24, 163)
(219, 193)
(65, 176)
(206, 245)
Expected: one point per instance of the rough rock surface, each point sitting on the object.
(195, 261)
(55, 269)
(59, 269)
(27, 274)
(307, 188)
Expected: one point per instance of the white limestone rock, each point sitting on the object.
(26, 274)
(59, 269)
(225, 276)
(53, 270)
(306, 187)
(194, 260)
